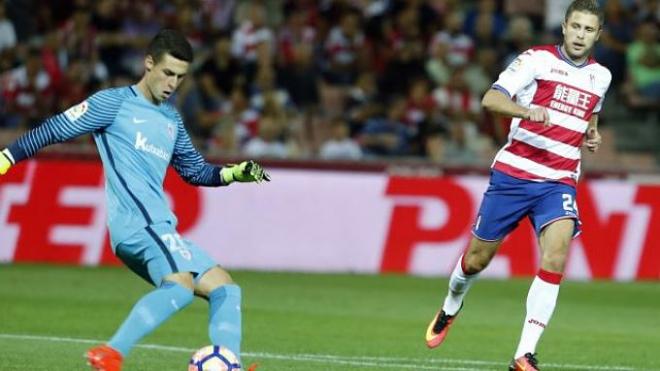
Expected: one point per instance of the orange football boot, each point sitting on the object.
(528, 362)
(438, 328)
(104, 358)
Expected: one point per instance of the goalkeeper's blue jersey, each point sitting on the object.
(137, 140)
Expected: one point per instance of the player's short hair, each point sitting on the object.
(587, 6)
(171, 42)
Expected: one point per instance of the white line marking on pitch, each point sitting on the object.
(360, 361)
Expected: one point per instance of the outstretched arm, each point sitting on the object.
(192, 167)
(93, 114)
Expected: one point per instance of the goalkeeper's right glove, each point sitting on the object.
(6, 161)
(246, 171)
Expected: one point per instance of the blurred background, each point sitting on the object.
(372, 82)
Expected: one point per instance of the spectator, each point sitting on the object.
(75, 84)
(644, 67)
(343, 50)
(483, 33)
(252, 39)
(419, 112)
(616, 35)
(519, 37)
(188, 20)
(387, 136)
(456, 98)
(555, 12)
(434, 145)
(49, 59)
(340, 146)
(7, 32)
(361, 102)
(270, 141)
(437, 66)
(218, 15)
(460, 46)
(485, 20)
(221, 73)
(140, 23)
(646, 10)
(407, 53)
(296, 59)
(78, 36)
(480, 75)
(265, 86)
(463, 146)
(237, 124)
(28, 91)
(532, 10)
(109, 40)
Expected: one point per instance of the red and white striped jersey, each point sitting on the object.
(544, 76)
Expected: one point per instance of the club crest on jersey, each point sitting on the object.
(170, 130)
(75, 112)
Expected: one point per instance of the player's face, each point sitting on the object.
(581, 31)
(165, 76)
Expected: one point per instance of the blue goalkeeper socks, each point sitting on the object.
(225, 317)
(148, 313)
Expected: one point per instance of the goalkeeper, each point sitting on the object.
(138, 135)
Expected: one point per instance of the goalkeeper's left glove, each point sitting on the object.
(246, 171)
(6, 161)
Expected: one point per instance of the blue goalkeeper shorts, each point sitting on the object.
(158, 251)
(508, 200)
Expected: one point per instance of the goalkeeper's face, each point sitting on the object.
(163, 77)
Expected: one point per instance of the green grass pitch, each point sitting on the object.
(49, 315)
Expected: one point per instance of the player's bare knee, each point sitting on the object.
(475, 266)
(479, 255)
(554, 260)
(184, 279)
(475, 263)
(211, 280)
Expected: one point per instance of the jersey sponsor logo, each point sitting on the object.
(138, 121)
(142, 145)
(558, 71)
(571, 101)
(75, 112)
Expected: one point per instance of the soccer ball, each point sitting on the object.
(214, 358)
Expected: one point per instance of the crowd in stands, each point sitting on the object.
(330, 79)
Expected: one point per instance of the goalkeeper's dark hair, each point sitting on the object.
(586, 6)
(171, 42)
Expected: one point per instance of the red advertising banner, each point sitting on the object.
(328, 221)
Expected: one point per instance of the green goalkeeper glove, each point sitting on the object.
(5, 161)
(246, 171)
